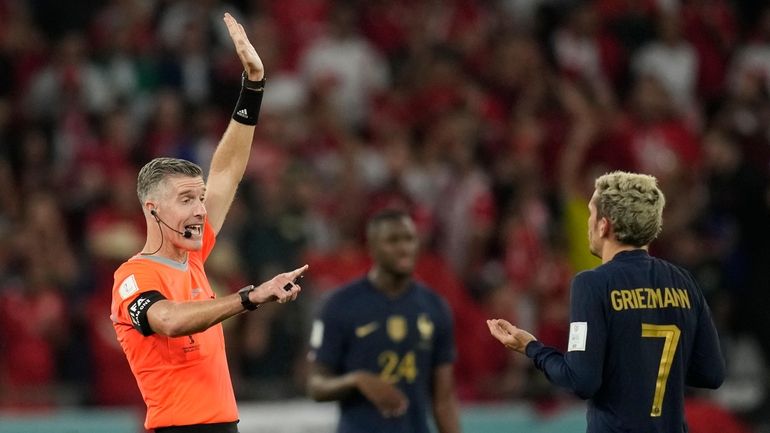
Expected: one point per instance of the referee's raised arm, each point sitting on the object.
(232, 153)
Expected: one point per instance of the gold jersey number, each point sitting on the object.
(671, 334)
(395, 368)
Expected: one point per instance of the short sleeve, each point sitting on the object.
(131, 280)
(444, 351)
(328, 338)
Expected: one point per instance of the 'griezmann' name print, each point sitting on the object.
(634, 299)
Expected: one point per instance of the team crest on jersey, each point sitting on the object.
(396, 328)
(425, 326)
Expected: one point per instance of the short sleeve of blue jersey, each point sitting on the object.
(333, 338)
(444, 345)
(580, 369)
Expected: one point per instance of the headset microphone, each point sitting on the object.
(187, 234)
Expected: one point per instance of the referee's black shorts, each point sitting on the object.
(221, 427)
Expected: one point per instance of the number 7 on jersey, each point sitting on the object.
(671, 333)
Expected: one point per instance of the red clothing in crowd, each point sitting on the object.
(31, 325)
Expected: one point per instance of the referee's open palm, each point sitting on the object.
(252, 64)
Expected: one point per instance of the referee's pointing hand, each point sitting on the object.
(281, 288)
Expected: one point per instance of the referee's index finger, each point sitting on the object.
(293, 275)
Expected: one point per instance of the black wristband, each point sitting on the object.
(250, 101)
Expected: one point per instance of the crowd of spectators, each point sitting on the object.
(486, 119)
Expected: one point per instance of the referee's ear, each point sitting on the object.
(150, 207)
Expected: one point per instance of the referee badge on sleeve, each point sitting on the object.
(128, 287)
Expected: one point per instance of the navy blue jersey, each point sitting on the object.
(640, 331)
(403, 340)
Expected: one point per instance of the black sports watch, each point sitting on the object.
(245, 301)
(257, 86)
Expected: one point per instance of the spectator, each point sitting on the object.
(672, 61)
(346, 66)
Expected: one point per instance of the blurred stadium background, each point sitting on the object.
(487, 119)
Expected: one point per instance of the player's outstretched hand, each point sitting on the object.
(511, 336)
(388, 399)
(282, 288)
(252, 64)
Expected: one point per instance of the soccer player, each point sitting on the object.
(166, 317)
(383, 345)
(640, 328)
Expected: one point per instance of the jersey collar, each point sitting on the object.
(166, 262)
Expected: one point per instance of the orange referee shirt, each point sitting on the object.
(183, 380)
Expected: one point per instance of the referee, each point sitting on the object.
(166, 316)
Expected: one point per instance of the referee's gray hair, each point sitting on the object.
(633, 203)
(156, 171)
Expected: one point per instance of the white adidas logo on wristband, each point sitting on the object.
(243, 113)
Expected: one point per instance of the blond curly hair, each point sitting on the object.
(633, 203)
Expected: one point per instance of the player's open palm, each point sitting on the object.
(388, 399)
(511, 336)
